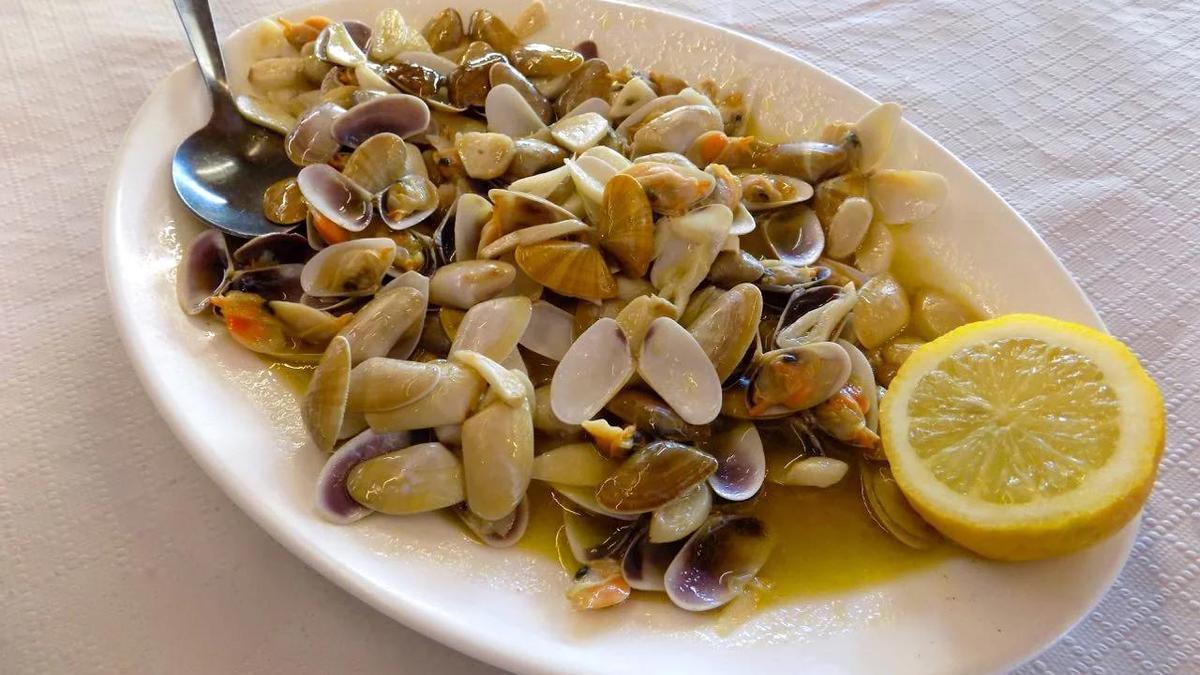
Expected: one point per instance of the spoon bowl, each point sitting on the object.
(221, 171)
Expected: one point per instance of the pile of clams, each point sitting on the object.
(511, 261)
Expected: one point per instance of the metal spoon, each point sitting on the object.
(222, 170)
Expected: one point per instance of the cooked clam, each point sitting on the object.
(906, 196)
(573, 464)
(399, 114)
(671, 188)
(741, 463)
(686, 248)
(934, 314)
(497, 452)
(627, 227)
(444, 30)
(794, 235)
(457, 391)
(679, 370)
(383, 322)
(348, 269)
(652, 416)
(726, 328)
(590, 80)
(493, 327)
(378, 384)
(675, 130)
(598, 585)
(815, 314)
(797, 378)
(333, 500)
(335, 197)
(654, 476)
(645, 563)
(890, 509)
(419, 478)
(508, 111)
(882, 311)
(571, 268)
(579, 132)
(762, 191)
(499, 533)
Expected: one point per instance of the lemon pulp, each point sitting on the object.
(1013, 420)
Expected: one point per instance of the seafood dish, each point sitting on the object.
(514, 266)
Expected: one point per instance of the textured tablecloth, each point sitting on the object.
(117, 554)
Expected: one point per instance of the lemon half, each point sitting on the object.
(1023, 437)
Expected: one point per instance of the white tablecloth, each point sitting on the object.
(119, 555)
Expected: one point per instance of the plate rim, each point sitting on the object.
(416, 616)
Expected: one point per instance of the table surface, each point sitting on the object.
(119, 555)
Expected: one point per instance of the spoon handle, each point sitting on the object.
(198, 24)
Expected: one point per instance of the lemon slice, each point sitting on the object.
(1023, 437)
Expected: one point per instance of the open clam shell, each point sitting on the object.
(348, 269)
(763, 191)
(794, 235)
(311, 140)
(333, 500)
(718, 562)
(336, 44)
(276, 248)
(679, 370)
(509, 112)
(741, 463)
(399, 114)
(815, 314)
(597, 366)
(654, 418)
(204, 272)
(797, 378)
(278, 282)
(687, 246)
(335, 197)
(726, 328)
(890, 509)
(594, 536)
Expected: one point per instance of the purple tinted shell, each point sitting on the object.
(333, 501)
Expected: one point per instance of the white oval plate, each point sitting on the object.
(507, 607)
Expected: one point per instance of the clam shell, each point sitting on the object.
(497, 450)
(544, 419)
(451, 400)
(502, 533)
(348, 269)
(797, 378)
(807, 160)
(584, 499)
(590, 175)
(408, 340)
(399, 114)
(891, 510)
(815, 314)
(335, 44)
(579, 132)
(686, 247)
(514, 210)
(934, 314)
(540, 60)
(741, 463)
(548, 185)
(577, 464)
(671, 188)
(875, 253)
(335, 197)
(382, 322)
(820, 472)
(502, 73)
(906, 196)
(848, 227)
(493, 327)
(654, 476)
(265, 113)
(592, 105)
(675, 130)
(635, 93)
(419, 478)
(377, 162)
(795, 236)
(593, 370)
(203, 272)
(311, 140)
(488, 27)
(506, 385)
(333, 501)
(550, 331)
(324, 402)
(531, 157)
(761, 191)
(392, 36)
(882, 311)
(645, 563)
(531, 235)
(735, 267)
(571, 268)
(306, 323)
(379, 384)
(590, 80)
(435, 62)
(871, 138)
(469, 84)
(647, 112)
(627, 226)
(679, 371)
(743, 221)
(654, 418)
(469, 215)
(509, 113)
(718, 561)
(681, 517)
(463, 285)
(828, 195)
(407, 202)
(444, 30)
(728, 326)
